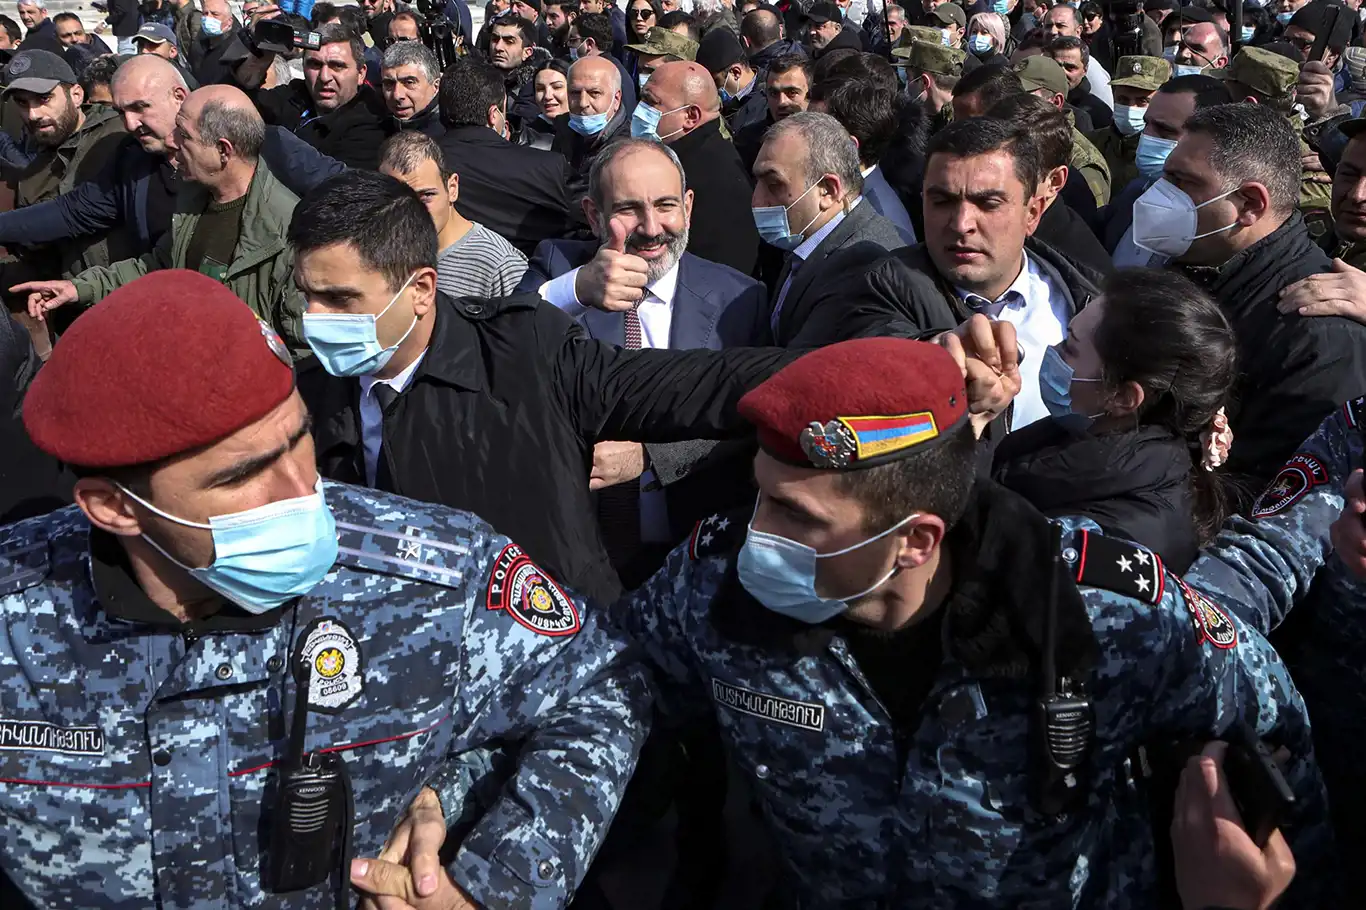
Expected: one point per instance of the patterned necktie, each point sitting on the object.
(634, 337)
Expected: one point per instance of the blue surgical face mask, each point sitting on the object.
(645, 122)
(1129, 120)
(265, 556)
(1001, 7)
(781, 575)
(1169, 52)
(1248, 32)
(771, 221)
(1055, 384)
(1285, 17)
(587, 124)
(1185, 69)
(980, 44)
(574, 52)
(211, 26)
(642, 78)
(347, 344)
(946, 37)
(1152, 154)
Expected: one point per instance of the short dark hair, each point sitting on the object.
(761, 28)
(990, 84)
(671, 20)
(380, 217)
(984, 135)
(338, 33)
(525, 26)
(405, 151)
(468, 89)
(597, 26)
(323, 11)
(1090, 9)
(68, 17)
(566, 6)
(1207, 90)
(1069, 43)
(869, 114)
(788, 62)
(829, 60)
(352, 17)
(870, 69)
(1250, 142)
(11, 28)
(1163, 332)
(99, 71)
(937, 480)
(1042, 123)
(406, 14)
(1034, 38)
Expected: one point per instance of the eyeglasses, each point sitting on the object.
(641, 14)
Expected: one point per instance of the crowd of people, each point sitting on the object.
(426, 483)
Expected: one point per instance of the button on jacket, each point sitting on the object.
(502, 416)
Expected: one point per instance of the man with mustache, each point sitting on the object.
(73, 145)
(636, 286)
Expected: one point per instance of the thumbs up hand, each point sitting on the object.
(615, 280)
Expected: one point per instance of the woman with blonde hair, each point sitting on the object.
(987, 38)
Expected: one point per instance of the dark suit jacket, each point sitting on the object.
(515, 191)
(715, 307)
(722, 222)
(862, 238)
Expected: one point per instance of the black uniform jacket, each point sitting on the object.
(501, 417)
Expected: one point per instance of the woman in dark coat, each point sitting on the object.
(1134, 391)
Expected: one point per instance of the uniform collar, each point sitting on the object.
(122, 598)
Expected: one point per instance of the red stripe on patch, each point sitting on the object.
(1081, 563)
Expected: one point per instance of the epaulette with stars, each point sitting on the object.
(1117, 565)
(717, 535)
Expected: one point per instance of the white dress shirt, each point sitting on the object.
(372, 419)
(656, 312)
(1039, 312)
(887, 203)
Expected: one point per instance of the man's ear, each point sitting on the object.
(453, 188)
(1257, 201)
(107, 507)
(77, 94)
(424, 291)
(590, 212)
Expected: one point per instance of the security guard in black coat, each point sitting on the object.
(493, 406)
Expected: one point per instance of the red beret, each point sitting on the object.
(858, 404)
(163, 365)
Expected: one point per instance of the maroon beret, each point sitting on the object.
(163, 365)
(858, 404)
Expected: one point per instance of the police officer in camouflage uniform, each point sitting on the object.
(873, 645)
(1278, 568)
(1136, 80)
(931, 72)
(1269, 78)
(1043, 74)
(210, 610)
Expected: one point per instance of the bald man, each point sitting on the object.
(137, 189)
(596, 117)
(231, 219)
(679, 106)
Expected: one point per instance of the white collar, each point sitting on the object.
(1020, 285)
(667, 285)
(398, 383)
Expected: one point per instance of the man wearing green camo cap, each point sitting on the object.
(1135, 81)
(924, 33)
(1265, 77)
(1044, 78)
(932, 71)
(662, 46)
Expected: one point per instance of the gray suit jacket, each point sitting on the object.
(859, 240)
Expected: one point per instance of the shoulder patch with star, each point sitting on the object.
(1120, 566)
(1212, 624)
(717, 535)
(1300, 475)
(1355, 413)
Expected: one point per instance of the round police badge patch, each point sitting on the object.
(530, 596)
(1300, 475)
(1211, 623)
(331, 659)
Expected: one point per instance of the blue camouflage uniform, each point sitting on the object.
(937, 815)
(1279, 558)
(138, 761)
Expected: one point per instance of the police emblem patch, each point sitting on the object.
(1120, 566)
(1300, 475)
(1211, 623)
(530, 596)
(332, 657)
(828, 446)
